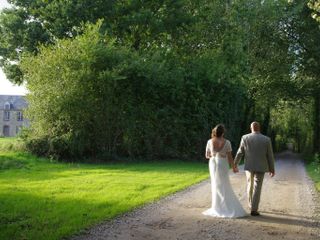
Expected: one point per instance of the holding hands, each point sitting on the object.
(271, 173)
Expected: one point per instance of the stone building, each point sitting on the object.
(11, 115)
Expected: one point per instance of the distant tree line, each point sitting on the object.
(149, 79)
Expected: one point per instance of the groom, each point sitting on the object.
(258, 159)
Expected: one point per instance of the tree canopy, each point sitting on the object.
(150, 78)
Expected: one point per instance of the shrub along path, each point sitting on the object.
(289, 207)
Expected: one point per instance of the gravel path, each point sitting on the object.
(290, 209)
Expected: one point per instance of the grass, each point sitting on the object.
(5, 140)
(11, 144)
(313, 169)
(40, 199)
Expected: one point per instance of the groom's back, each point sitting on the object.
(257, 152)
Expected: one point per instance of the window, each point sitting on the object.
(7, 106)
(19, 116)
(6, 131)
(6, 115)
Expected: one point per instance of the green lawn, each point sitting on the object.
(313, 170)
(4, 140)
(40, 199)
(10, 144)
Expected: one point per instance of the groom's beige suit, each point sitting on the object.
(258, 159)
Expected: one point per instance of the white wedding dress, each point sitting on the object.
(224, 201)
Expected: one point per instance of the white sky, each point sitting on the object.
(6, 87)
(4, 3)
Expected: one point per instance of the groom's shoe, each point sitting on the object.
(255, 213)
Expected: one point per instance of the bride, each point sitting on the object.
(224, 201)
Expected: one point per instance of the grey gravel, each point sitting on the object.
(289, 209)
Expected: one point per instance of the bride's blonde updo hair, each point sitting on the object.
(218, 131)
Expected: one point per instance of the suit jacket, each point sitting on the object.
(257, 152)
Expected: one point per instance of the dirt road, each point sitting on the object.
(289, 208)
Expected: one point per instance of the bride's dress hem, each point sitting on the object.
(211, 213)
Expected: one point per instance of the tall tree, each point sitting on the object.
(267, 59)
(304, 34)
(138, 23)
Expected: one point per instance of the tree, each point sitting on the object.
(315, 6)
(29, 24)
(179, 67)
(304, 33)
(291, 122)
(266, 60)
(105, 100)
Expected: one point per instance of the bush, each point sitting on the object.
(102, 99)
(38, 146)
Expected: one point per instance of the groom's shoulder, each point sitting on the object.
(264, 138)
(267, 138)
(247, 136)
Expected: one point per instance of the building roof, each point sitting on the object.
(16, 102)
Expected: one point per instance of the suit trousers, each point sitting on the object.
(254, 185)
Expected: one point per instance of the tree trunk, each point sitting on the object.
(266, 121)
(249, 116)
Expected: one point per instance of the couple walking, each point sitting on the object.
(258, 159)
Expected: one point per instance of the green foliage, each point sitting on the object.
(76, 109)
(106, 100)
(41, 199)
(11, 144)
(9, 162)
(291, 123)
(154, 76)
(30, 24)
(303, 34)
(316, 159)
(18, 34)
(315, 6)
(283, 71)
(313, 168)
(38, 146)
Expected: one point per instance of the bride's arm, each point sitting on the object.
(231, 162)
(208, 151)
(208, 154)
(230, 159)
